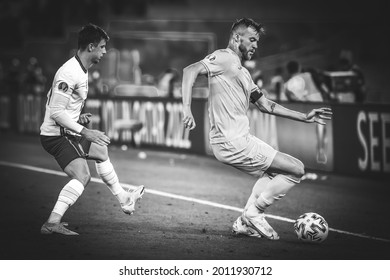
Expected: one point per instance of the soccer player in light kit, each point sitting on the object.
(69, 142)
(231, 90)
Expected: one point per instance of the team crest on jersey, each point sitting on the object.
(211, 57)
(63, 86)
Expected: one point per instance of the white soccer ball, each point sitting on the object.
(311, 227)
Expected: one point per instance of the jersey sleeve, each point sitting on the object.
(64, 83)
(217, 62)
(62, 90)
(58, 113)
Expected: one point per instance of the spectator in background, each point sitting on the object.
(14, 77)
(148, 79)
(136, 71)
(300, 87)
(346, 63)
(168, 83)
(34, 82)
(39, 85)
(129, 69)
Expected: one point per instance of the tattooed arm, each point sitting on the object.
(316, 115)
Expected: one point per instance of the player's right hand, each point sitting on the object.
(188, 119)
(96, 136)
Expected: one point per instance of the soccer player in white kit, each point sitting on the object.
(231, 90)
(64, 136)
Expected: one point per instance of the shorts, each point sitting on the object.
(66, 148)
(248, 154)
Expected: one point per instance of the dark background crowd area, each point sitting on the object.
(38, 36)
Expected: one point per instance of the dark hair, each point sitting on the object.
(91, 33)
(292, 67)
(247, 22)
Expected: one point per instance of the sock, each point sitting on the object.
(107, 173)
(68, 196)
(262, 203)
(275, 190)
(258, 188)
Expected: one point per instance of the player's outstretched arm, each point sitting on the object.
(316, 115)
(190, 73)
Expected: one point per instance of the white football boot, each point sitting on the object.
(129, 206)
(260, 225)
(239, 228)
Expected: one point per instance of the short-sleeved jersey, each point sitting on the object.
(230, 88)
(71, 81)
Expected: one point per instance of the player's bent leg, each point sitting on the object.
(106, 171)
(289, 172)
(79, 172)
(258, 188)
(78, 169)
(287, 165)
(98, 153)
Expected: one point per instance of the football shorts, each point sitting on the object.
(248, 154)
(66, 148)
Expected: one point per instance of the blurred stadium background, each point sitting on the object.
(152, 41)
(140, 77)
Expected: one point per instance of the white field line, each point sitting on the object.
(181, 197)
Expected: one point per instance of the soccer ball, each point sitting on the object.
(311, 227)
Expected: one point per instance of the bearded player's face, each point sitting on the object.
(248, 43)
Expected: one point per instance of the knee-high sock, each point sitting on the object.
(107, 173)
(275, 190)
(68, 196)
(258, 188)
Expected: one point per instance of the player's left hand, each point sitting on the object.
(85, 118)
(319, 115)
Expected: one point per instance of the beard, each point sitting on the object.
(245, 53)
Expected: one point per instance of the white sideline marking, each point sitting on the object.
(181, 197)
